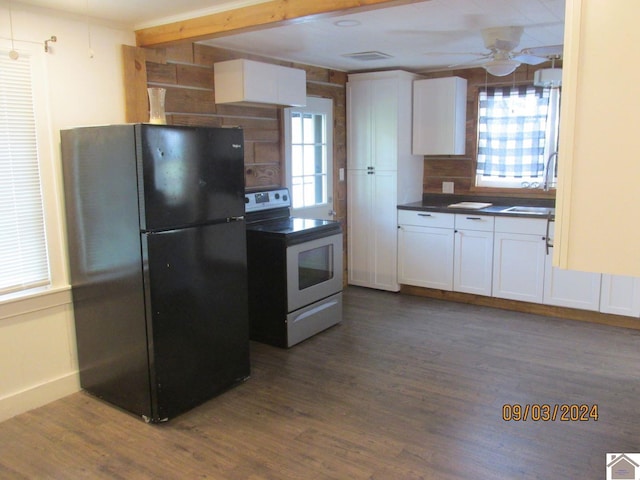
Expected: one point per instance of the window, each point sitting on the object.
(517, 136)
(23, 247)
(308, 159)
(309, 146)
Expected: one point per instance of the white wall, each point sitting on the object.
(38, 361)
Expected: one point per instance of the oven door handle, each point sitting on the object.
(315, 310)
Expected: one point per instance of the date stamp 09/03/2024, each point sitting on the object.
(544, 412)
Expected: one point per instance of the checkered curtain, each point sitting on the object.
(512, 122)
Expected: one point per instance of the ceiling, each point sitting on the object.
(422, 36)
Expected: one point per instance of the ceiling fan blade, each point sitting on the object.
(472, 63)
(468, 54)
(529, 59)
(546, 51)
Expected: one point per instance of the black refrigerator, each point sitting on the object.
(157, 260)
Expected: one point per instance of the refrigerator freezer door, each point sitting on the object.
(196, 290)
(189, 176)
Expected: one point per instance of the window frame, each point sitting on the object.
(315, 105)
(56, 292)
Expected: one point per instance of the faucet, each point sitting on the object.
(547, 183)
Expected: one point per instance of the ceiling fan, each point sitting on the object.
(501, 59)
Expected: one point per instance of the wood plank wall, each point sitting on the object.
(186, 71)
(460, 169)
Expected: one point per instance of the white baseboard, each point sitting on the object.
(39, 395)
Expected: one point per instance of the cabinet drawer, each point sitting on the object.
(425, 219)
(482, 223)
(533, 226)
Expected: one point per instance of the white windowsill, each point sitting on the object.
(21, 303)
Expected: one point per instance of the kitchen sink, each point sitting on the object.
(530, 210)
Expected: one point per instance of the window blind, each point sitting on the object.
(23, 251)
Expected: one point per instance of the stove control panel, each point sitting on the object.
(266, 200)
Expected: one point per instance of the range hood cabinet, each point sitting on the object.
(248, 82)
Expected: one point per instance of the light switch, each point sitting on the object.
(341, 174)
(447, 187)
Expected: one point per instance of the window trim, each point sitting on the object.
(509, 186)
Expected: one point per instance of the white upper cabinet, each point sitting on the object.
(439, 116)
(598, 181)
(247, 81)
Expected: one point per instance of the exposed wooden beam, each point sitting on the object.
(262, 15)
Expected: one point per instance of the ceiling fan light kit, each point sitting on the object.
(548, 77)
(501, 68)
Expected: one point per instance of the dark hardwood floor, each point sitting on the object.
(404, 388)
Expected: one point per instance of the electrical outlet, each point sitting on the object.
(341, 174)
(447, 187)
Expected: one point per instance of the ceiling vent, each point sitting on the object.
(367, 56)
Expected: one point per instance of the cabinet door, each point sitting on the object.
(359, 127)
(372, 119)
(620, 295)
(473, 262)
(358, 227)
(425, 256)
(383, 230)
(570, 288)
(372, 226)
(439, 116)
(385, 123)
(518, 266)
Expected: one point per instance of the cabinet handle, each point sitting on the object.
(548, 244)
(474, 218)
(424, 214)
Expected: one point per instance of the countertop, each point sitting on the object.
(440, 203)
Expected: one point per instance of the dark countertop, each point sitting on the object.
(434, 202)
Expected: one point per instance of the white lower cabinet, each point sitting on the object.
(570, 288)
(425, 249)
(503, 257)
(620, 295)
(519, 255)
(473, 254)
(445, 251)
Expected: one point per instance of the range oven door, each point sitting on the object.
(314, 270)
